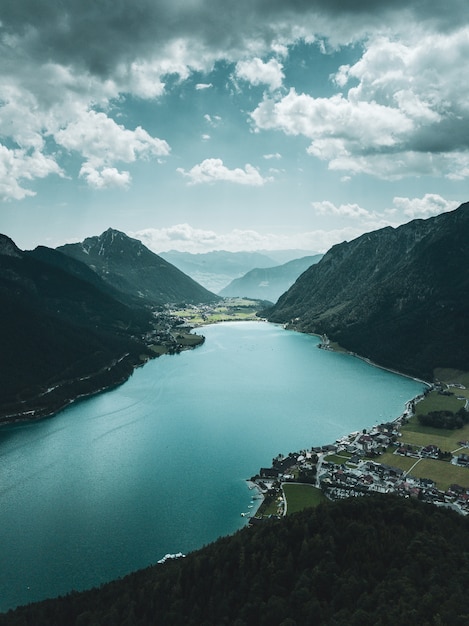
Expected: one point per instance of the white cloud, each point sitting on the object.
(105, 178)
(213, 170)
(405, 112)
(103, 142)
(275, 155)
(201, 86)
(344, 210)
(430, 204)
(19, 165)
(257, 72)
(186, 238)
(213, 120)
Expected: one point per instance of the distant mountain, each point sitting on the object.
(271, 282)
(216, 269)
(130, 267)
(64, 332)
(397, 296)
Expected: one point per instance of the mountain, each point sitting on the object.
(379, 560)
(216, 269)
(269, 283)
(397, 296)
(64, 332)
(130, 267)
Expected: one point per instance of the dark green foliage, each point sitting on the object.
(397, 296)
(60, 323)
(378, 560)
(445, 419)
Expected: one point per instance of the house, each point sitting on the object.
(430, 451)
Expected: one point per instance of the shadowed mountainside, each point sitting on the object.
(67, 330)
(130, 267)
(397, 296)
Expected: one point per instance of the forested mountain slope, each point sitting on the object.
(377, 561)
(129, 266)
(63, 331)
(398, 296)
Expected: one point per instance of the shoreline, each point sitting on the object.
(325, 345)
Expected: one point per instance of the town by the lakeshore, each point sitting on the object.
(404, 457)
(410, 456)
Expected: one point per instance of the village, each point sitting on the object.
(352, 467)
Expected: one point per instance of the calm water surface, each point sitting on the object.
(159, 464)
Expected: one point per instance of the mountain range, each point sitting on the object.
(398, 296)
(68, 329)
(214, 270)
(268, 283)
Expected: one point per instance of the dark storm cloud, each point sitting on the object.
(98, 34)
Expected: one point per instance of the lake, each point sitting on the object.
(159, 464)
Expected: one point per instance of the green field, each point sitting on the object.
(229, 310)
(447, 440)
(338, 459)
(434, 401)
(300, 496)
(443, 473)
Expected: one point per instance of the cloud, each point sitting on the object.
(213, 170)
(103, 142)
(186, 238)
(257, 72)
(213, 120)
(60, 60)
(405, 112)
(19, 165)
(430, 204)
(275, 155)
(105, 178)
(344, 210)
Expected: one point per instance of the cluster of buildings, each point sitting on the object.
(348, 469)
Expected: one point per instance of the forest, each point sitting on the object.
(378, 560)
(445, 419)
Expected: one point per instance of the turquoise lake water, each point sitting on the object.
(158, 465)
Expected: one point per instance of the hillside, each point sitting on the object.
(377, 560)
(130, 267)
(268, 283)
(397, 296)
(62, 330)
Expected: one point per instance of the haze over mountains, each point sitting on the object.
(269, 283)
(397, 296)
(215, 270)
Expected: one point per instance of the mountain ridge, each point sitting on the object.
(67, 332)
(397, 296)
(271, 282)
(128, 265)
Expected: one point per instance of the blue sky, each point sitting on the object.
(196, 125)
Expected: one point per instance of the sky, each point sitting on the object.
(201, 125)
